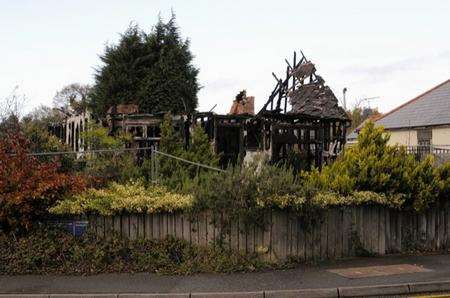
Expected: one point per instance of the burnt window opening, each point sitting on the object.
(253, 137)
(136, 131)
(153, 131)
(228, 143)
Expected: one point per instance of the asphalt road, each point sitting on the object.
(303, 277)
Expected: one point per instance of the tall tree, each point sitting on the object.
(11, 108)
(152, 70)
(72, 97)
(358, 115)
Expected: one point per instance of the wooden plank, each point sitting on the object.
(324, 236)
(202, 229)
(346, 232)
(430, 228)
(194, 230)
(109, 227)
(141, 226)
(250, 239)
(186, 227)
(447, 226)
(441, 229)
(301, 240)
(288, 232)
(100, 227)
(117, 222)
(259, 241)
(125, 225)
(164, 225)
(309, 239)
(234, 234)
(226, 232)
(210, 230)
(414, 233)
(267, 237)
(366, 228)
(387, 232)
(359, 236)
(242, 236)
(338, 232)
(398, 234)
(393, 230)
(382, 231)
(133, 226)
(279, 235)
(170, 224)
(219, 234)
(155, 226)
(331, 238)
(148, 226)
(422, 229)
(276, 236)
(283, 235)
(293, 251)
(375, 224)
(353, 230)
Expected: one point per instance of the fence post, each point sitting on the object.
(152, 164)
(156, 164)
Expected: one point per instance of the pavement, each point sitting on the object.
(359, 272)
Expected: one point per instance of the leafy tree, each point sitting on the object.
(358, 115)
(73, 96)
(28, 187)
(113, 165)
(11, 108)
(12, 105)
(152, 70)
(34, 127)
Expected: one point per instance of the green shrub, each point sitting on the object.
(245, 192)
(45, 251)
(132, 197)
(109, 166)
(443, 174)
(372, 165)
(174, 173)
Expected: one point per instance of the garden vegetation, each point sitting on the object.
(33, 190)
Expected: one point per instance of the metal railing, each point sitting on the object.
(154, 153)
(421, 151)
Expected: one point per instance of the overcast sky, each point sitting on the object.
(391, 49)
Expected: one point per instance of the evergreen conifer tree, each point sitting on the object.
(152, 70)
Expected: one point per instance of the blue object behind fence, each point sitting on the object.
(75, 227)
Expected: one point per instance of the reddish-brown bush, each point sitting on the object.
(29, 186)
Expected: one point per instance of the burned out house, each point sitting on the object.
(145, 129)
(301, 120)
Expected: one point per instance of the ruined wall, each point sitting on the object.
(75, 125)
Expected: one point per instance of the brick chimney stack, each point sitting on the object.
(243, 104)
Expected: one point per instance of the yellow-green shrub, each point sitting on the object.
(374, 166)
(132, 197)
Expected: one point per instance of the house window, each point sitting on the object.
(424, 137)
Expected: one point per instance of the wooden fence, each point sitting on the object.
(339, 233)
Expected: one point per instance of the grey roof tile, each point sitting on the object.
(429, 108)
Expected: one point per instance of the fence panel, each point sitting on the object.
(336, 235)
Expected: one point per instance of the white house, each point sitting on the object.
(422, 121)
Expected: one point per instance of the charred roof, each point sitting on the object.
(306, 93)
